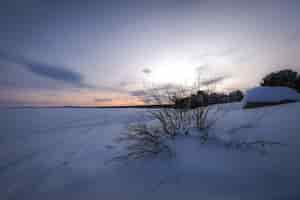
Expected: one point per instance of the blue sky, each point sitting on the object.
(92, 52)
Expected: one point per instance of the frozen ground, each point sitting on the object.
(63, 154)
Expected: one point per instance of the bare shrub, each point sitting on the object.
(203, 122)
(173, 121)
(200, 115)
(176, 120)
(170, 119)
(143, 141)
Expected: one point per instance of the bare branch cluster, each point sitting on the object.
(142, 142)
(173, 121)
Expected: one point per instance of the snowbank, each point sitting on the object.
(261, 96)
(274, 123)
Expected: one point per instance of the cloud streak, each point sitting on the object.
(148, 95)
(58, 73)
(138, 93)
(146, 71)
(55, 73)
(214, 80)
(101, 100)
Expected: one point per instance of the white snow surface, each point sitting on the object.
(63, 154)
(270, 95)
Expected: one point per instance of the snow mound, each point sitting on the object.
(269, 95)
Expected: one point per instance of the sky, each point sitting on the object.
(95, 53)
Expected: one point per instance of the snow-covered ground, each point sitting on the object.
(63, 154)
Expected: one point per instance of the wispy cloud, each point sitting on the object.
(201, 68)
(138, 93)
(101, 100)
(143, 95)
(229, 51)
(215, 80)
(148, 95)
(55, 73)
(223, 53)
(146, 71)
(58, 73)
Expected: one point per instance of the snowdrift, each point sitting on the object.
(264, 96)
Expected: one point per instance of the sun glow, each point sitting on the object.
(182, 71)
(173, 70)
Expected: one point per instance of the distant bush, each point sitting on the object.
(298, 83)
(286, 78)
(236, 95)
(204, 98)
